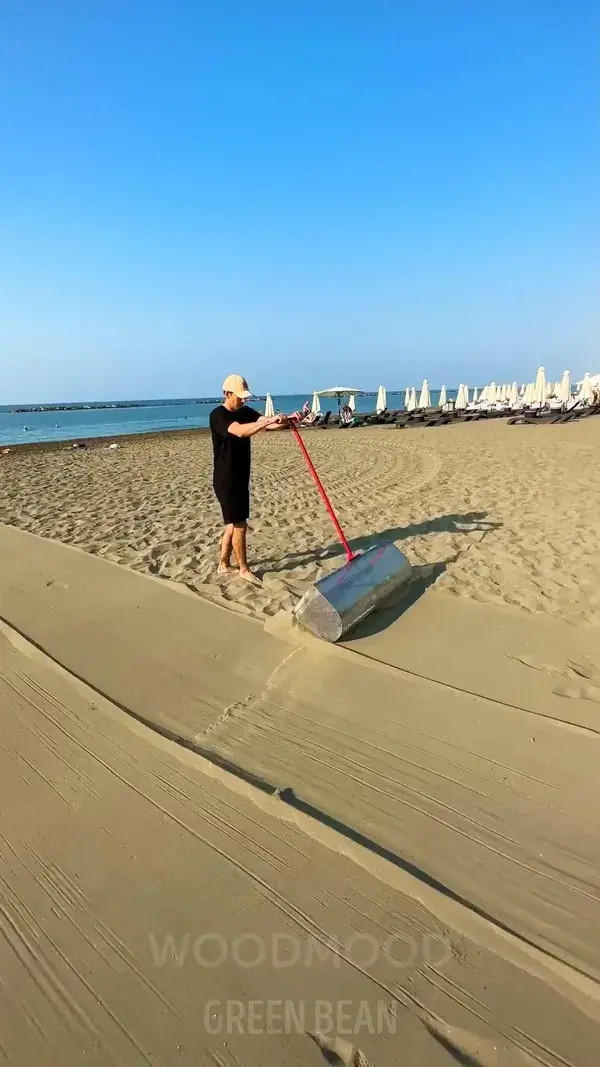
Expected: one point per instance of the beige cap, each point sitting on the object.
(234, 383)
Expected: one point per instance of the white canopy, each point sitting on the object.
(539, 391)
(381, 400)
(425, 399)
(269, 409)
(461, 399)
(586, 392)
(564, 389)
(339, 390)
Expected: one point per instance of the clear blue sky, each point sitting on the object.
(302, 190)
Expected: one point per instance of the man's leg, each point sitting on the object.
(239, 548)
(226, 546)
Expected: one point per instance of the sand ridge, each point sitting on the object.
(499, 514)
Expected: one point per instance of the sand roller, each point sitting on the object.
(339, 600)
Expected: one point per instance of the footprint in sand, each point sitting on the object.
(581, 678)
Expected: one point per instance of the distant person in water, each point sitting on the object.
(232, 424)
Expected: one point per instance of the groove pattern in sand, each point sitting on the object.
(96, 807)
(458, 788)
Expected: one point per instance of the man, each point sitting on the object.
(232, 425)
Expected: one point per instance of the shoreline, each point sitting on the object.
(93, 443)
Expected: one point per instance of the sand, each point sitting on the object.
(415, 810)
(499, 514)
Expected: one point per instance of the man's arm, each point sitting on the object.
(248, 429)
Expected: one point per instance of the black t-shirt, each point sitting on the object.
(231, 453)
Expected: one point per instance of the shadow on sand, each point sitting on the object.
(391, 610)
(424, 575)
(471, 520)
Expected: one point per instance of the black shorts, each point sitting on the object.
(235, 503)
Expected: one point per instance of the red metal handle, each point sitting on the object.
(315, 477)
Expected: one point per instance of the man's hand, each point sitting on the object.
(290, 420)
(281, 422)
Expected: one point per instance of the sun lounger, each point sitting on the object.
(320, 423)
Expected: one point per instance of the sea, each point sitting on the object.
(29, 423)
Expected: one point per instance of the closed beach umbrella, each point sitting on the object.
(316, 404)
(523, 388)
(491, 395)
(564, 389)
(513, 396)
(412, 400)
(539, 391)
(485, 392)
(424, 399)
(529, 393)
(461, 403)
(586, 393)
(352, 402)
(503, 394)
(381, 400)
(442, 396)
(475, 397)
(269, 409)
(407, 396)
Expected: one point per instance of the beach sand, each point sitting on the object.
(416, 810)
(499, 514)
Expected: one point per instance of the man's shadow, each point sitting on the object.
(471, 520)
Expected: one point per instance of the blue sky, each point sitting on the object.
(302, 191)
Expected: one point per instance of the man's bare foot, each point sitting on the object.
(224, 568)
(248, 576)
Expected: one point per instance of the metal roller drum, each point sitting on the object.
(337, 602)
